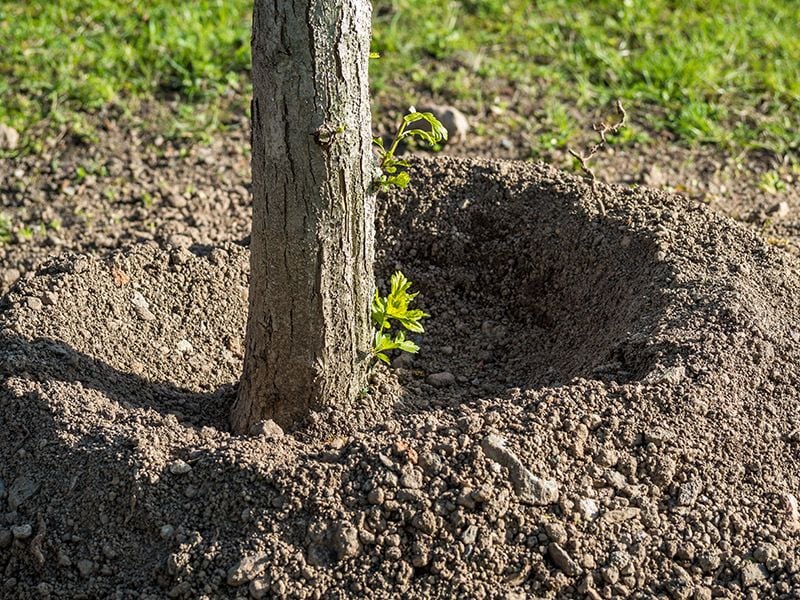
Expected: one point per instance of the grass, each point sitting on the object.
(720, 72)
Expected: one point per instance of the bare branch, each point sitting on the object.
(603, 130)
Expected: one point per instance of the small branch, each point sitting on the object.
(603, 130)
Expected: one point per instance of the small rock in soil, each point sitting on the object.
(752, 574)
(268, 428)
(179, 467)
(442, 379)
(22, 532)
(246, 569)
(9, 137)
(563, 560)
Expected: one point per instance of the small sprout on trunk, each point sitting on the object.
(394, 309)
(389, 162)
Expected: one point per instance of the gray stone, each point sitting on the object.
(442, 379)
(166, 532)
(752, 574)
(33, 303)
(529, 488)
(666, 375)
(142, 307)
(779, 210)
(268, 428)
(259, 588)
(179, 467)
(22, 532)
(9, 137)
(658, 436)
(247, 569)
(85, 567)
(6, 538)
(345, 540)
(21, 490)
(563, 560)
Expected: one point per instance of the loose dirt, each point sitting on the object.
(605, 405)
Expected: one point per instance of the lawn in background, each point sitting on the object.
(721, 72)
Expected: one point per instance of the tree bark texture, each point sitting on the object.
(311, 279)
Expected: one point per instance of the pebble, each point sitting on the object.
(259, 588)
(659, 436)
(268, 429)
(9, 137)
(247, 569)
(441, 379)
(142, 307)
(345, 540)
(6, 538)
(779, 210)
(166, 532)
(179, 467)
(563, 560)
(21, 489)
(33, 303)
(752, 574)
(85, 567)
(185, 347)
(588, 509)
(22, 532)
(529, 488)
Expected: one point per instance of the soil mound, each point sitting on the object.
(605, 404)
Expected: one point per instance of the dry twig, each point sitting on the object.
(603, 129)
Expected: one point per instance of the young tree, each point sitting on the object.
(311, 278)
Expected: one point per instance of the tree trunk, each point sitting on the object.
(311, 278)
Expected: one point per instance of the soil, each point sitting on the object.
(605, 405)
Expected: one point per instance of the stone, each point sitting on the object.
(779, 210)
(21, 490)
(259, 588)
(22, 532)
(185, 347)
(33, 303)
(345, 540)
(6, 538)
(556, 532)
(247, 569)
(666, 375)
(529, 488)
(85, 567)
(166, 532)
(411, 477)
(588, 509)
(142, 307)
(267, 428)
(9, 137)
(179, 467)
(442, 379)
(688, 492)
(752, 574)
(563, 560)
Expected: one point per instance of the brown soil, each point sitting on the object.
(605, 404)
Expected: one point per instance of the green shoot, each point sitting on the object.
(395, 308)
(389, 162)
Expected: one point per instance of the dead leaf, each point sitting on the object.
(120, 277)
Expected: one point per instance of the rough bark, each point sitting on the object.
(313, 211)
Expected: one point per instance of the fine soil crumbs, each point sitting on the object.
(605, 405)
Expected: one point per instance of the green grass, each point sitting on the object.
(66, 59)
(721, 72)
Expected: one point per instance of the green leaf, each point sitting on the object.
(383, 357)
(374, 54)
